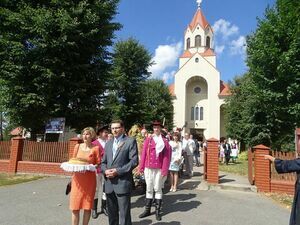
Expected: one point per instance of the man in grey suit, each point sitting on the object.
(120, 158)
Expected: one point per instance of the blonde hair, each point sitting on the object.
(90, 130)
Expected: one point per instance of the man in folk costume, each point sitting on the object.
(102, 134)
(154, 163)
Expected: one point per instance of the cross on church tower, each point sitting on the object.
(199, 3)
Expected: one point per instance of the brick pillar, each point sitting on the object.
(212, 161)
(72, 143)
(262, 168)
(16, 151)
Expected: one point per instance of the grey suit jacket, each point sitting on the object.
(126, 159)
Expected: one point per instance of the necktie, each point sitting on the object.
(115, 147)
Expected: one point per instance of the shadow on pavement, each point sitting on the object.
(188, 185)
(224, 180)
(148, 222)
(179, 203)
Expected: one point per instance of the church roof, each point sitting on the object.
(224, 89)
(198, 19)
(186, 54)
(208, 52)
(171, 89)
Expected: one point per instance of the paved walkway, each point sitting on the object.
(43, 202)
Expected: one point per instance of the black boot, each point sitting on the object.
(94, 212)
(147, 208)
(103, 207)
(158, 209)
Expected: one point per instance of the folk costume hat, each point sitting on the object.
(156, 123)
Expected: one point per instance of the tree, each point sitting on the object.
(54, 59)
(157, 102)
(268, 97)
(244, 113)
(129, 70)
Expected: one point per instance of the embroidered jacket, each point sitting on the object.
(149, 159)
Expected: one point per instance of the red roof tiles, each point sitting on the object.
(224, 89)
(198, 19)
(171, 89)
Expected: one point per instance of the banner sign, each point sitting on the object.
(56, 125)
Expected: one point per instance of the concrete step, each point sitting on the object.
(233, 187)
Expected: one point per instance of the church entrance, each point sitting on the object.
(197, 133)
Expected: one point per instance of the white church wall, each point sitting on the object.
(205, 70)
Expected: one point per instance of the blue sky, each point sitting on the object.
(159, 25)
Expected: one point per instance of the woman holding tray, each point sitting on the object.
(84, 183)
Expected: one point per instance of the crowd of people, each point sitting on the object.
(116, 155)
(228, 150)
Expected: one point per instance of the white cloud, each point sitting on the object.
(219, 49)
(238, 46)
(225, 28)
(166, 56)
(168, 76)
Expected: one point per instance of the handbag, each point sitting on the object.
(68, 188)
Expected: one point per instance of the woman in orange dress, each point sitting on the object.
(84, 184)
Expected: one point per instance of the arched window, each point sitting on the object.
(208, 42)
(197, 113)
(201, 113)
(188, 43)
(192, 113)
(198, 41)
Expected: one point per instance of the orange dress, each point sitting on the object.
(84, 184)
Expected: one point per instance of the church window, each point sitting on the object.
(192, 114)
(197, 60)
(197, 113)
(198, 41)
(197, 90)
(201, 113)
(188, 43)
(208, 42)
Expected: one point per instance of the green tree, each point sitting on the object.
(129, 70)
(268, 98)
(54, 59)
(157, 103)
(244, 115)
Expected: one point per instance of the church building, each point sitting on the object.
(198, 93)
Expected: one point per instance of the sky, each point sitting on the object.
(159, 26)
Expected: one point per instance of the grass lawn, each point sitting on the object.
(283, 199)
(240, 167)
(6, 179)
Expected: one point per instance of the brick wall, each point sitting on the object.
(40, 168)
(264, 181)
(212, 161)
(280, 186)
(262, 169)
(16, 165)
(4, 166)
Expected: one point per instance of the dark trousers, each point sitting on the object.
(227, 158)
(118, 208)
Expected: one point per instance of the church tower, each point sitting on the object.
(198, 91)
